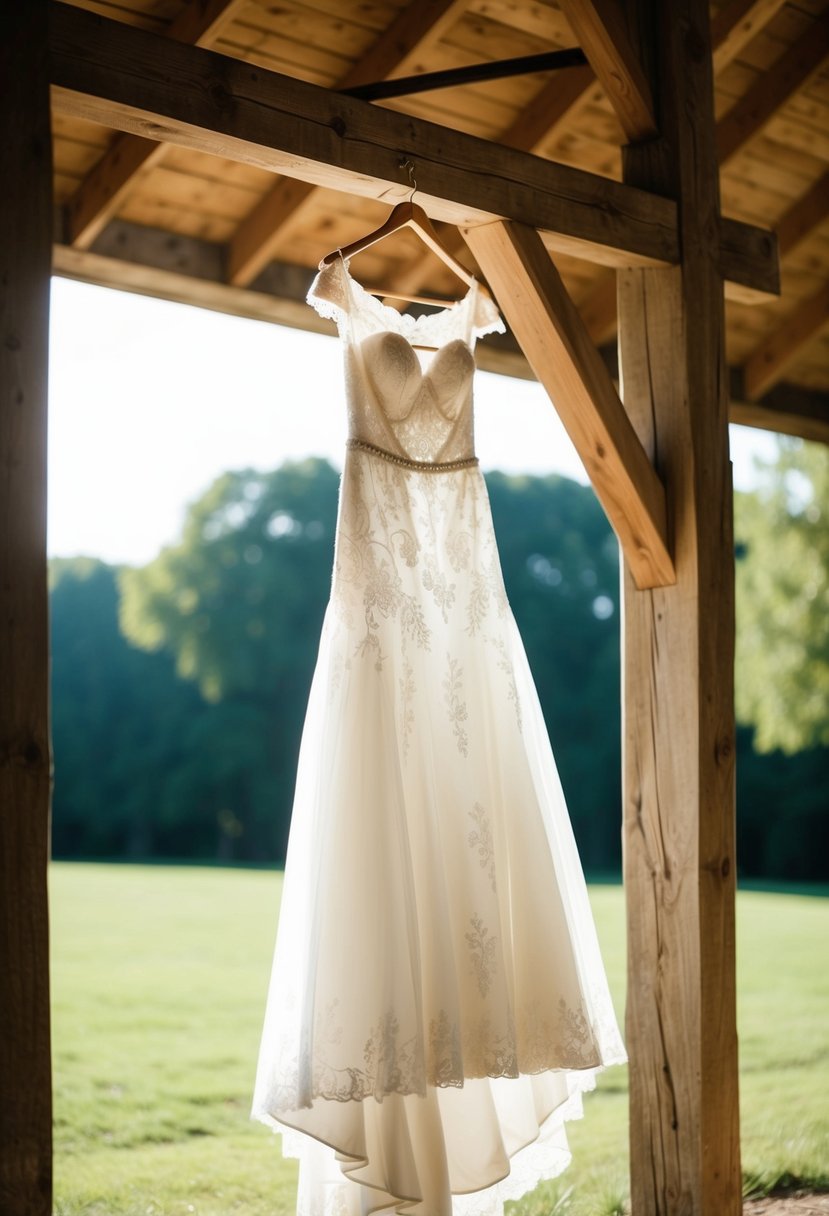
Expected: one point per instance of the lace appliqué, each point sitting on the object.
(481, 953)
(480, 838)
(506, 665)
(455, 707)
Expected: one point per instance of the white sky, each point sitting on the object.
(150, 401)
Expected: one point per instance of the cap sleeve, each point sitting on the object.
(328, 293)
(486, 318)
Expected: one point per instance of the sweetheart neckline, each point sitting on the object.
(435, 351)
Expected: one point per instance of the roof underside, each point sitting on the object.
(187, 225)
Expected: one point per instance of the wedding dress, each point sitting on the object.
(438, 1001)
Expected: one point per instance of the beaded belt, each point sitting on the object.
(421, 466)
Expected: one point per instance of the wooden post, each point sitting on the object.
(25, 264)
(678, 664)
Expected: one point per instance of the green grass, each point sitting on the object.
(159, 981)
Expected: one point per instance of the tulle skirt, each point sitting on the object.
(438, 1001)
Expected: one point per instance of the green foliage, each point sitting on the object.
(180, 739)
(159, 983)
(782, 531)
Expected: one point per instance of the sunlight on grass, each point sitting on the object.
(159, 983)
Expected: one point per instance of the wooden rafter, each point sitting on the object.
(552, 335)
(101, 193)
(768, 362)
(545, 118)
(420, 24)
(602, 32)
(279, 123)
(735, 25)
(286, 125)
(804, 216)
(773, 89)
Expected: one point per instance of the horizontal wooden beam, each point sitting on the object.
(549, 330)
(270, 224)
(109, 73)
(787, 409)
(107, 184)
(772, 89)
(602, 32)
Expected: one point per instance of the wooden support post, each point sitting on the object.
(25, 262)
(678, 666)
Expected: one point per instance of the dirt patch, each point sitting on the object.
(790, 1205)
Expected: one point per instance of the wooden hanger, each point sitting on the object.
(405, 215)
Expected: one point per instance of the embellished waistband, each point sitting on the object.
(421, 466)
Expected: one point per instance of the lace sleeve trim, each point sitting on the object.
(327, 294)
(487, 319)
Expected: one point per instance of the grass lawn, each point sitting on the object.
(159, 980)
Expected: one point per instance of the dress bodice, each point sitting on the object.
(411, 403)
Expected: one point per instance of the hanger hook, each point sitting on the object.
(408, 165)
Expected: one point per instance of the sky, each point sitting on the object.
(150, 401)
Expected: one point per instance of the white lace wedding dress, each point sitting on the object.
(438, 1000)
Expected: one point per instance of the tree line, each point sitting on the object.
(179, 688)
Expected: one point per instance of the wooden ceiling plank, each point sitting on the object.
(767, 364)
(269, 224)
(601, 29)
(804, 216)
(103, 190)
(736, 24)
(287, 126)
(773, 89)
(549, 330)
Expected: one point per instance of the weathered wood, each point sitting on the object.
(110, 73)
(101, 193)
(600, 28)
(678, 647)
(25, 765)
(769, 361)
(551, 334)
(395, 52)
(773, 89)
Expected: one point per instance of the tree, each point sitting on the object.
(782, 533)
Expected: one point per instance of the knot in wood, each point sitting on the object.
(725, 868)
(337, 125)
(220, 96)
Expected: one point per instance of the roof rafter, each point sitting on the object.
(601, 29)
(804, 215)
(103, 189)
(421, 23)
(734, 26)
(767, 363)
(198, 99)
(773, 89)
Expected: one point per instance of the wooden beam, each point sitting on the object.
(152, 261)
(678, 647)
(767, 362)
(772, 89)
(544, 118)
(786, 409)
(102, 191)
(598, 309)
(804, 216)
(600, 28)
(25, 760)
(220, 105)
(110, 73)
(419, 24)
(551, 334)
(735, 25)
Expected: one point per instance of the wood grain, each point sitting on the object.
(111, 73)
(678, 740)
(555, 341)
(769, 361)
(25, 761)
